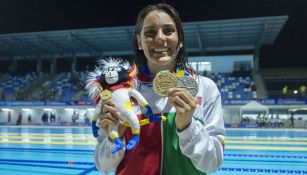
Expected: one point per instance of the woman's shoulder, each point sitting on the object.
(206, 87)
(201, 80)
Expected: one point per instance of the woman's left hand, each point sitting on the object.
(185, 105)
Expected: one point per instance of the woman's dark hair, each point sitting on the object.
(139, 56)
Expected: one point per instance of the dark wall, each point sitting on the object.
(63, 65)
(290, 46)
(25, 66)
(46, 65)
(4, 66)
(87, 63)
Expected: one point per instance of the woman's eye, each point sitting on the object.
(150, 33)
(168, 31)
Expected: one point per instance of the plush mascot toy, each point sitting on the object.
(113, 79)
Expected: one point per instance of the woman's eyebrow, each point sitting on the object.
(164, 25)
(150, 27)
(169, 25)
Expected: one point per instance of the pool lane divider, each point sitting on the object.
(46, 162)
(43, 165)
(46, 149)
(256, 170)
(92, 151)
(50, 143)
(265, 156)
(27, 163)
(271, 148)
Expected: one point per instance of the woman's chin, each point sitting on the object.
(164, 60)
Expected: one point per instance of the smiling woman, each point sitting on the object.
(159, 41)
(191, 140)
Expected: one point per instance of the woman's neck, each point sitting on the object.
(154, 69)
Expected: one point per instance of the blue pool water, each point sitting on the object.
(69, 150)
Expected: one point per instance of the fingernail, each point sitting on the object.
(171, 89)
(118, 114)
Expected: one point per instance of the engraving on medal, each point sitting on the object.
(189, 84)
(163, 82)
(106, 94)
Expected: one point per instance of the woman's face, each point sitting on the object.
(159, 41)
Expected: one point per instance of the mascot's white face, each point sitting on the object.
(111, 75)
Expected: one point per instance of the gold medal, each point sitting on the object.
(105, 94)
(163, 82)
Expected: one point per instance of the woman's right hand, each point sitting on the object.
(110, 116)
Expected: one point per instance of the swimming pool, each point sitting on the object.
(69, 150)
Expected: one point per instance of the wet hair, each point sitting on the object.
(139, 56)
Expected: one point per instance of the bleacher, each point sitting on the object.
(11, 84)
(234, 87)
(70, 86)
(82, 94)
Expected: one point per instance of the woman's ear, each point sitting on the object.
(139, 42)
(180, 45)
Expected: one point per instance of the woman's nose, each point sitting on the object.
(160, 37)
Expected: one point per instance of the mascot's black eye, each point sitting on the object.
(117, 69)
